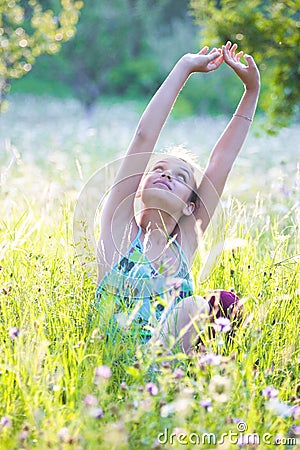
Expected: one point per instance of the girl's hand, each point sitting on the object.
(249, 73)
(203, 62)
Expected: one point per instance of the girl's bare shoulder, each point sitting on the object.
(114, 240)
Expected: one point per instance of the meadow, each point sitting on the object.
(63, 385)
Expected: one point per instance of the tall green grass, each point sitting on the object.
(56, 390)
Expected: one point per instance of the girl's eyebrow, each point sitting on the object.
(182, 168)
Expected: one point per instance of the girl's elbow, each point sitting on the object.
(144, 133)
(140, 136)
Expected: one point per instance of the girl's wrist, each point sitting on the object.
(252, 89)
(254, 86)
(187, 63)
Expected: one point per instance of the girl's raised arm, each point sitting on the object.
(229, 144)
(149, 128)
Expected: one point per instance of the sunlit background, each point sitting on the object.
(77, 91)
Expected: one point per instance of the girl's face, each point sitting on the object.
(168, 186)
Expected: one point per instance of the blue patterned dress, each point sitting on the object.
(133, 281)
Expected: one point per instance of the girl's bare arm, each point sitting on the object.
(229, 144)
(149, 128)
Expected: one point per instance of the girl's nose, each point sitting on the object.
(167, 174)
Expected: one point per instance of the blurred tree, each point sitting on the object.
(29, 29)
(270, 31)
(126, 48)
(113, 51)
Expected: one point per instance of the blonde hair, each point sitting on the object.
(179, 151)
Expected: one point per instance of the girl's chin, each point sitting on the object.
(163, 205)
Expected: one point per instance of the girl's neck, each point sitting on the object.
(159, 224)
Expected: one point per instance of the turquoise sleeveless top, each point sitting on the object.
(134, 279)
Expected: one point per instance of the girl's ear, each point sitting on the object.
(138, 193)
(188, 209)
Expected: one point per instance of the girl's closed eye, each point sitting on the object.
(158, 169)
(181, 177)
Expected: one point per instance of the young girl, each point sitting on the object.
(144, 260)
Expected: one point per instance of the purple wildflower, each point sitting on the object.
(210, 359)
(270, 392)
(102, 372)
(237, 420)
(14, 332)
(5, 422)
(63, 434)
(23, 435)
(96, 412)
(178, 373)
(296, 429)
(152, 388)
(206, 403)
(90, 400)
(295, 410)
(223, 324)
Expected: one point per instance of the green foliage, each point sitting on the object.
(29, 29)
(122, 47)
(216, 93)
(128, 55)
(135, 75)
(268, 30)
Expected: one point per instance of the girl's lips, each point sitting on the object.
(163, 183)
